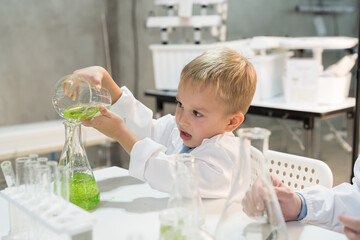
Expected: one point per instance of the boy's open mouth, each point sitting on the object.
(185, 135)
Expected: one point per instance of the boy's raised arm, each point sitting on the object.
(100, 78)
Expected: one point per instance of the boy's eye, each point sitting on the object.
(197, 114)
(178, 104)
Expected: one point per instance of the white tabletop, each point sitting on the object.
(279, 102)
(41, 137)
(129, 209)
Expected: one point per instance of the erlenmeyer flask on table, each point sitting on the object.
(242, 218)
(76, 99)
(183, 218)
(83, 190)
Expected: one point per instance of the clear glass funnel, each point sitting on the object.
(76, 99)
(242, 217)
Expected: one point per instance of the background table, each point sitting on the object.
(129, 209)
(41, 137)
(277, 107)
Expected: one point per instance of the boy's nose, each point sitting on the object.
(183, 120)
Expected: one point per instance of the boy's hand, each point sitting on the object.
(108, 123)
(94, 75)
(100, 78)
(351, 226)
(289, 201)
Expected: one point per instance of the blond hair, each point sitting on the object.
(232, 76)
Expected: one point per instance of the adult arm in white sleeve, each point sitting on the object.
(324, 205)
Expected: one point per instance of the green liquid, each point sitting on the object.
(84, 191)
(168, 233)
(82, 111)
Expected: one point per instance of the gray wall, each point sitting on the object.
(41, 41)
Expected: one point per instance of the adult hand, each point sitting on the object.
(290, 202)
(351, 226)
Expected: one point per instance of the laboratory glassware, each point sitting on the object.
(8, 172)
(251, 185)
(83, 190)
(183, 218)
(20, 171)
(76, 99)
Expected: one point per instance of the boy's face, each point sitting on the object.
(200, 114)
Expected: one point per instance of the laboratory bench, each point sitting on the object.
(129, 209)
(278, 108)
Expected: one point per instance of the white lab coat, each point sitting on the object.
(324, 205)
(150, 158)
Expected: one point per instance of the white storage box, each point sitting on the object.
(169, 60)
(303, 84)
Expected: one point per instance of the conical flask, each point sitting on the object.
(183, 218)
(242, 217)
(83, 190)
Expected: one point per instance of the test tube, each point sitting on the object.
(8, 172)
(42, 180)
(20, 171)
(42, 160)
(33, 156)
(53, 169)
(62, 182)
(30, 177)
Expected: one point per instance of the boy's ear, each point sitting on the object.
(235, 120)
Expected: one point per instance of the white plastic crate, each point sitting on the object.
(304, 84)
(169, 60)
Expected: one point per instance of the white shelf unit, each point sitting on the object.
(184, 17)
(199, 2)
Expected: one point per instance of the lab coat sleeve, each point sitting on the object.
(324, 205)
(139, 119)
(213, 165)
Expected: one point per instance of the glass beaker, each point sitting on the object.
(183, 218)
(251, 186)
(83, 190)
(76, 99)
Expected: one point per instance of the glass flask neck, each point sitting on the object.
(73, 133)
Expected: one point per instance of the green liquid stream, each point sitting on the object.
(82, 111)
(84, 191)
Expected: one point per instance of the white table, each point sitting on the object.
(129, 210)
(40, 138)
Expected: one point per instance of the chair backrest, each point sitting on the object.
(299, 172)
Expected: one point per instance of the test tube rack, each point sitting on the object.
(49, 218)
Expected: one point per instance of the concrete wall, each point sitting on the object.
(41, 41)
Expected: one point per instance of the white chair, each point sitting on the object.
(299, 172)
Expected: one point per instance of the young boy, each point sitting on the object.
(214, 93)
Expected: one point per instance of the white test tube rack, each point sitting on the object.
(51, 218)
